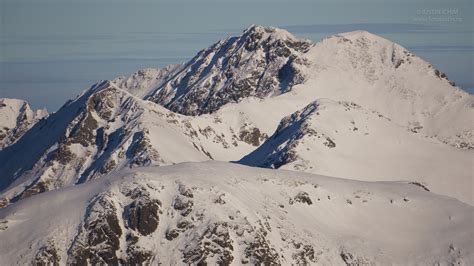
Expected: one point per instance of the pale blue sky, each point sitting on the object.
(50, 50)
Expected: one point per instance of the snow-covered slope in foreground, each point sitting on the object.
(226, 213)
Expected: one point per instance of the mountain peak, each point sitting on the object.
(16, 117)
(261, 62)
(358, 33)
(273, 32)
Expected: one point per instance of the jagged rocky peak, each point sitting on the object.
(108, 128)
(260, 62)
(87, 138)
(16, 117)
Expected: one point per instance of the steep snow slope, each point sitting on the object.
(16, 117)
(345, 140)
(378, 74)
(107, 128)
(224, 213)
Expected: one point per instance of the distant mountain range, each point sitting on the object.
(121, 174)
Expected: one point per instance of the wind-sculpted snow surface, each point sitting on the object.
(380, 75)
(345, 140)
(222, 213)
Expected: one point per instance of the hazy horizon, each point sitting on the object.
(50, 50)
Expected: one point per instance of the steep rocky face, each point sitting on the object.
(259, 63)
(87, 138)
(16, 117)
(98, 238)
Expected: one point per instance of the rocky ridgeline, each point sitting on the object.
(16, 117)
(261, 62)
(281, 148)
(101, 133)
(106, 129)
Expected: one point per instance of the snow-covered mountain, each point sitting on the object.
(109, 166)
(272, 65)
(106, 129)
(222, 213)
(16, 117)
(343, 139)
(383, 76)
(259, 63)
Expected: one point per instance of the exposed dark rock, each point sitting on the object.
(183, 204)
(215, 79)
(63, 154)
(283, 158)
(302, 197)
(214, 242)
(330, 143)
(84, 131)
(352, 260)
(259, 251)
(143, 216)
(4, 202)
(98, 239)
(183, 224)
(141, 152)
(420, 185)
(252, 136)
(37, 188)
(47, 255)
(219, 199)
(108, 166)
(171, 234)
(137, 256)
(185, 191)
(103, 103)
(305, 254)
(3, 225)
